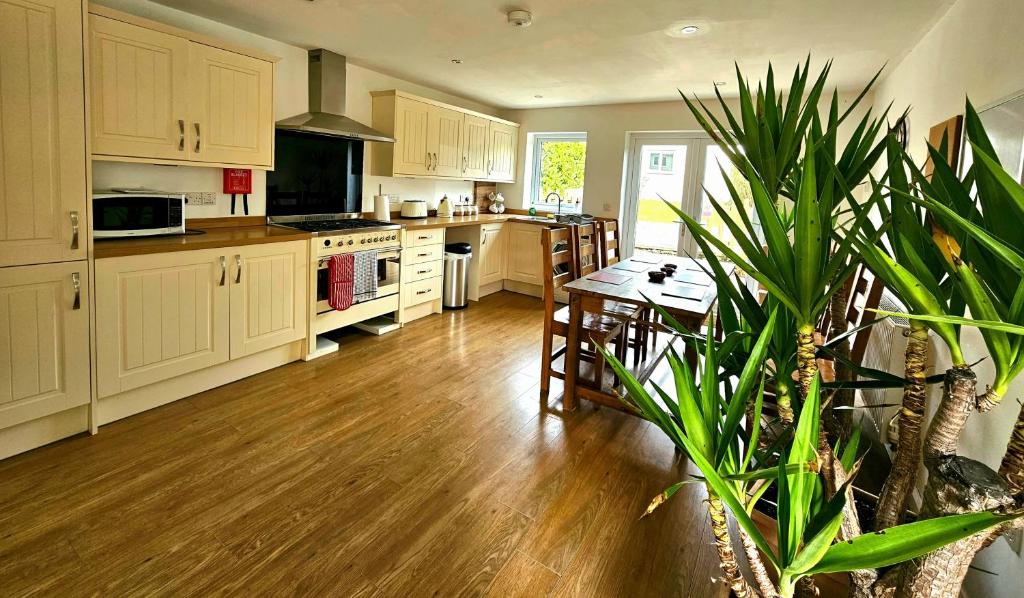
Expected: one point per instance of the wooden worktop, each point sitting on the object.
(488, 218)
(212, 237)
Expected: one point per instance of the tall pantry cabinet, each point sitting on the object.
(44, 224)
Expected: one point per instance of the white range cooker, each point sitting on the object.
(335, 234)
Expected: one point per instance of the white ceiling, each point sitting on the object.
(581, 52)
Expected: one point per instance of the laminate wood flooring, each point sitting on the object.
(419, 463)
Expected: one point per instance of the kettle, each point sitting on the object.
(444, 208)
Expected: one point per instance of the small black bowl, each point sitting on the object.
(668, 271)
(673, 266)
(656, 275)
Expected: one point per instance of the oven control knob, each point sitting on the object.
(327, 243)
(350, 241)
(361, 241)
(376, 239)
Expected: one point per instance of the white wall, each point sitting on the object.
(974, 50)
(290, 98)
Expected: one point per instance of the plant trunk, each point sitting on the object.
(990, 399)
(892, 503)
(861, 581)
(784, 401)
(726, 556)
(958, 398)
(757, 568)
(806, 364)
(839, 422)
(1012, 467)
(955, 485)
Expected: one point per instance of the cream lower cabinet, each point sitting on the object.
(268, 296)
(422, 273)
(493, 242)
(164, 315)
(44, 341)
(524, 261)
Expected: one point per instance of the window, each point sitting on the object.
(661, 162)
(558, 163)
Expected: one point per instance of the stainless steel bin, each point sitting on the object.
(456, 275)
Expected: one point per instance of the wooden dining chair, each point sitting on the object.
(608, 251)
(559, 255)
(864, 291)
(587, 239)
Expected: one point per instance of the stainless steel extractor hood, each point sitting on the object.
(326, 114)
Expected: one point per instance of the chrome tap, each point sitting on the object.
(548, 198)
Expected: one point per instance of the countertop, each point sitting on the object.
(244, 231)
(483, 218)
(212, 238)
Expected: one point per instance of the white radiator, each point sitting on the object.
(885, 351)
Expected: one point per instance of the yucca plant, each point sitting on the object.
(706, 424)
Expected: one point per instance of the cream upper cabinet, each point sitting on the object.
(139, 91)
(159, 316)
(42, 161)
(44, 361)
(524, 261)
(411, 128)
(502, 142)
(444, 142)
(166, 95)
(438, 140)
(268, 296)
(230, 107)
(492, 253)
(474, 147)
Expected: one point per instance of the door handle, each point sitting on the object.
(422, 271)
(74, 228)
(424, 292)
(223, 270)
(198, 137)
(435, 161)
(427, 159)
(463, 164)
(76, 282)
(181, 134)
(238, 273)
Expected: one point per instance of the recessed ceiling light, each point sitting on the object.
(719, 83)
(689, 30)
(456, 61)
(538, 96)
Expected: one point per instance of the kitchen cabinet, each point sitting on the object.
(159, 316)
(164, 315)
(42, 165)
(422, 273)
(44, 362)
(492, 253)
(139, 91)
(268, 296)
(231, 107)
(165, 95)
(502, 142)
(524, 261)
(437, 140)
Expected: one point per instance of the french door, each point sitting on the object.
(681, 168)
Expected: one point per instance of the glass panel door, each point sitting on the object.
(716, 170)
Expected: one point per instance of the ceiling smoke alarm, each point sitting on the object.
(520, 18)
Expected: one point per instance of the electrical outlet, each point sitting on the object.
(1015, 538)
(199, 198)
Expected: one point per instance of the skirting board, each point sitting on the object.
(494, 287)
(137, 400)
(38, 432)
(524, 288)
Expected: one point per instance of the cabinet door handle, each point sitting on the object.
(76, 282)
(463, 164)
(198, 137)
(427, 160)
(238, 272)
(490, 165)
(422, 254)
(74, 229)
(223, 270)
(181, 134)
(423, 237)
(435, 161)
(422, 271)
(424, 292)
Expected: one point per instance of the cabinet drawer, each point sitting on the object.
(431, 236)
(419, 255)
(422, 291)
(414, 272)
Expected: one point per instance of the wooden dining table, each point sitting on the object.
(688, 296)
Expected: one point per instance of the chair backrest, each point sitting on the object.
(864, 291)
(608, 251)
(559, 256)
(586, 254)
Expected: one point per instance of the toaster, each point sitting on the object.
(414, 208)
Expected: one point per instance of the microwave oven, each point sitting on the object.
(137, 213)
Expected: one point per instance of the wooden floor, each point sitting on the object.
(420, 463)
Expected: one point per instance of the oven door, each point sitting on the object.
(389, 267)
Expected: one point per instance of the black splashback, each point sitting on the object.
(315, 174)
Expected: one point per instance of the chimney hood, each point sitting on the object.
(326, 116)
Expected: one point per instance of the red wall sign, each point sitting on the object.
(237, 180)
